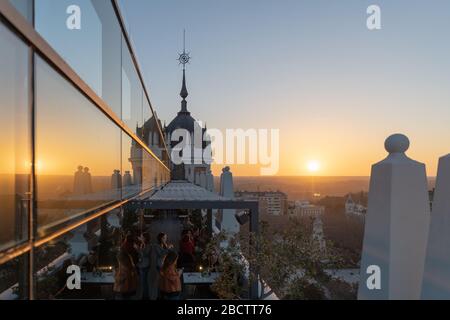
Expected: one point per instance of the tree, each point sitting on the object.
(223, 254)
(290, 261)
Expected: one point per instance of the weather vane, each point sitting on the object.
(184, 57)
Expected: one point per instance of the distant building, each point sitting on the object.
(303, 208)
(270, 202)
(354, 209)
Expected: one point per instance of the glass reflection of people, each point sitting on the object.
(87, 181)
(78, 185)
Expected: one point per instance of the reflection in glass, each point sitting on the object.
(93, 50)
(14, 279)
(25, 7)
(131, 166)
(149, 132)
(148, 172)
(15, 146)
(142, 170)
(93, 247)
(131, 91)
(77, 151)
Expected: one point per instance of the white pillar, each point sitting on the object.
(396, 227)
(229, 222)
(436, 278)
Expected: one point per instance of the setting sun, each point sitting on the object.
(313, 166)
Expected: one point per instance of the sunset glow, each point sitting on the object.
(313, 166)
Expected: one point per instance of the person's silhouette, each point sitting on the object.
(78, 185)
(87, 181)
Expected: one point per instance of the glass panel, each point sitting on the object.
(92, 247)
(14, 279)
(87, 35)
(131, 167)
(15, 145)
(150, 132)
(25, 7)
(148, 121)
(75, 164)
(149, 178)
(131, 92)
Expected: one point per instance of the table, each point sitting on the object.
(192, 278)
(105, 278)
(98, 286)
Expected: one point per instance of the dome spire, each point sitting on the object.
(184, 93)
(184, 59)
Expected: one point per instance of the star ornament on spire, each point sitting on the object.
(184, 58)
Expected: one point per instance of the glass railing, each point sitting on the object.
(90, 152)
(88, 35)
(15, 145)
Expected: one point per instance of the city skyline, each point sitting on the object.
(321, 81)
(241, 150)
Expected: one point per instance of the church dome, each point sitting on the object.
(183, 120)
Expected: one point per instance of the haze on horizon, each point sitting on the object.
(309, 68)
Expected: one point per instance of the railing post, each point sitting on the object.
(396, 229)
(209, 217)
(436, 278)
